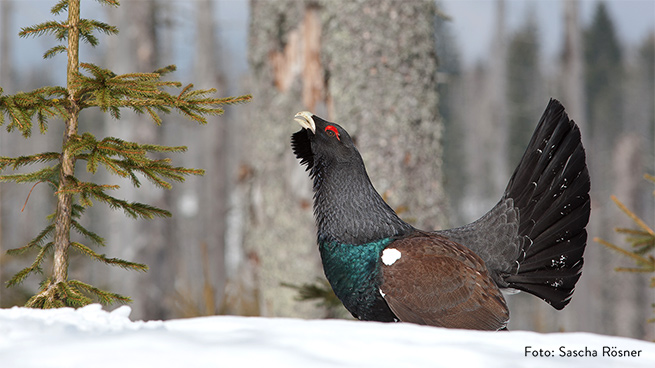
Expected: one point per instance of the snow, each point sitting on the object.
(90, 336)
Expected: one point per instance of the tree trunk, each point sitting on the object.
(484, 115)
(497, 109)
(136, 49)
(583, 313)
(632, 296)
(67, 161)
(6, 64)
(572, 76)
(200, 223)
(603, 82)
(154, 238)
(7, 85)
(369, 66)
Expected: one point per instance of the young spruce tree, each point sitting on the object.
(641, 241)
(87, 86)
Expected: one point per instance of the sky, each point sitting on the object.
(473, 20)
(90, 336)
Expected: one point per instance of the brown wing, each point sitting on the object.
(435, 281)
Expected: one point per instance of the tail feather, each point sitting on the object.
(550, 188)
(568, 220)
(534, 238)
(549, 292)
(538, 157)
(564, 194)
(563, 254)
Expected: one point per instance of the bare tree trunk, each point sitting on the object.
(118, 230)
(154, 238)
(149, 241)
(347, 62)
(486, 118)
(632, 157)
(497, 109)
(632, 294)
(7, 85)
(201, 222)
(604, 80)
(583, 313)
(572, 76)
(6, 65)
(476, 199)
(383, 87)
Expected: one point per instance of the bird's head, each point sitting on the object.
(321, 140)
(347, 207)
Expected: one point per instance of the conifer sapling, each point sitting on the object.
(87, 86)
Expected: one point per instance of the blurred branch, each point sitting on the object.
(641, 243)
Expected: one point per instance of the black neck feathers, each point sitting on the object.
(347, 208)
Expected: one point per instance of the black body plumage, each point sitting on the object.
(384, 269)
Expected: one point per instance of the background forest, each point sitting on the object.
(440, 137)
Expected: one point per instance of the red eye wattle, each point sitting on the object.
(332, 131)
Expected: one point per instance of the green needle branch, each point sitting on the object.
(89, 85)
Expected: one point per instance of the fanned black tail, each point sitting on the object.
(550, 189)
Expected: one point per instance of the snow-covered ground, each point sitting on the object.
(92, 337)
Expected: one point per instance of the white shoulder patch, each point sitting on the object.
(390, 256)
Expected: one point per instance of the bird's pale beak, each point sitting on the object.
(304, 118)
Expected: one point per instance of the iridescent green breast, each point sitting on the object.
(354, 273)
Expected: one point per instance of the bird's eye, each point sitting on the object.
(331, 131)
